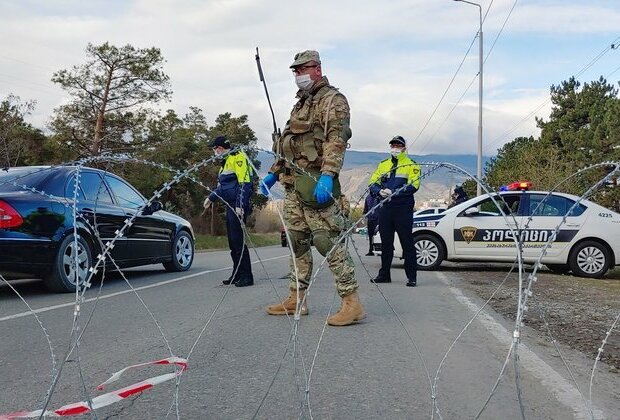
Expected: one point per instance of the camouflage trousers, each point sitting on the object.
(322, 227)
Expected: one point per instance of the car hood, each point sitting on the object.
(170, 217)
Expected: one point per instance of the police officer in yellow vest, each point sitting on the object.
(315, 141)
(395, 181)
(234, 187)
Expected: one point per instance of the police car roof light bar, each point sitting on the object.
(519, 186)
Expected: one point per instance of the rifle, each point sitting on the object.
(276, 131)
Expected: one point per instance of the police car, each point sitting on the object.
(588, 243)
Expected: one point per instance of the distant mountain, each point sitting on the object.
(359, 165)
(355, 158)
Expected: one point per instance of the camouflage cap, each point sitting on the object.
(305, 57)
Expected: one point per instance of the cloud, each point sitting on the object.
(393, 60)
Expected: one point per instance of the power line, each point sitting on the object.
(453, 108)
(449, 84)
(543, 104)
(501, 30)
(445, 92)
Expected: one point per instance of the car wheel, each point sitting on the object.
(589, 259)
(558, 268)
(70, 270)
(429, 252)
(182, 252)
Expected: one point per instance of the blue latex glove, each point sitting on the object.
(323, 189)
(267, 183)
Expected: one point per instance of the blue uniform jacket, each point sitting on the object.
(370, 202)
(234, 182)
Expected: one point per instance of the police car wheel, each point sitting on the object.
(589, 259)
(430, 252)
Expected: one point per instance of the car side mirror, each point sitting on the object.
(153, 207)
(472, 211)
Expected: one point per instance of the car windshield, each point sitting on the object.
(31, 177)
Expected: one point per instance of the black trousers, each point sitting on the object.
(372, 229)
(238, 251)
(397, 219)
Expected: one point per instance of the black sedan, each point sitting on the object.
(38, 234)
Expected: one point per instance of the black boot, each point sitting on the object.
(229, 280)
(381, 279)
(246, 281)
(411, 283)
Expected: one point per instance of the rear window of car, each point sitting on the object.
(91, 187)
(429, 211)
(31, 177)
(553, 205)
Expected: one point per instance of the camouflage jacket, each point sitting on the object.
(316, 135)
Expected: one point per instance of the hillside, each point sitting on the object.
(359, 165)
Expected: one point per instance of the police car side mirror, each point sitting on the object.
(472, 211)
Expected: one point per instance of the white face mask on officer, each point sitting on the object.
(303, 81)
(395, 151)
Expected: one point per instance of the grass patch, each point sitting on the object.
(613, 274)
(221, 242)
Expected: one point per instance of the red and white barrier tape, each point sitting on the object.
(109, 398)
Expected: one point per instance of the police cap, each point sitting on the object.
(220, 141)
(399, 140)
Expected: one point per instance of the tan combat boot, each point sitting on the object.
(350, 312)
(289, 305)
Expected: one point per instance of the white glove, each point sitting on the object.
(386, 192)
(207, 203)
(239, 211)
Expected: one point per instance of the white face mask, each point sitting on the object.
(395, 152)
(303, 81)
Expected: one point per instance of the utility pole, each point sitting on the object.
(480, 79)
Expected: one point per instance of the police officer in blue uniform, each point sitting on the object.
(235, 188)
(372, 218)
(396, 214)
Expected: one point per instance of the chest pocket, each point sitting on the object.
(303, 143)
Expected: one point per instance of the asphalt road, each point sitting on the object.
(239, 369)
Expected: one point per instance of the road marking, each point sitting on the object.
(564, 390)
(163, 283)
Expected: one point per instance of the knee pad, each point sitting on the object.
(322, 241)
(300, 242)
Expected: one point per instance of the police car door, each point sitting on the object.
(546, 213)
(481, 232)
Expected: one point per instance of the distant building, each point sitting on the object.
(433, 203)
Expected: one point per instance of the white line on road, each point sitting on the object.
(64, 305)
(565, 392)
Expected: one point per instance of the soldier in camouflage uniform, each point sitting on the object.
(315, 140)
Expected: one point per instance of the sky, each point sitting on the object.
(394, 60)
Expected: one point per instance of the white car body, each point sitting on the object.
(587, 243)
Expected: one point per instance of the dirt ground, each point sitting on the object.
(579, 311)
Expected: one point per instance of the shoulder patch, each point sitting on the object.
(239, 163)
